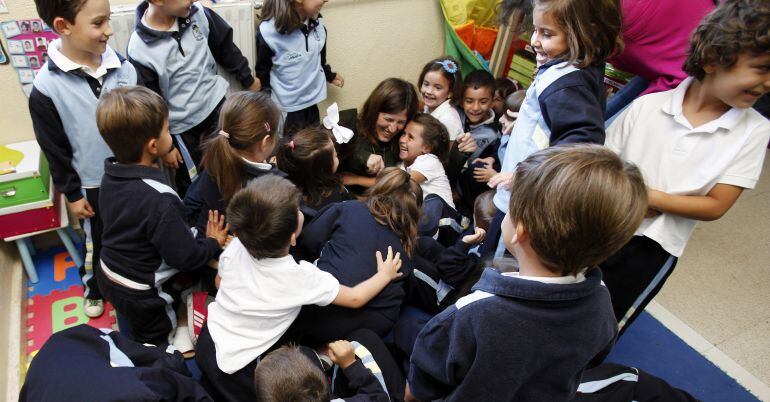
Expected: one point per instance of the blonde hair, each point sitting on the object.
(395, 200)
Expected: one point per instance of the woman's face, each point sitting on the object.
(389, 125)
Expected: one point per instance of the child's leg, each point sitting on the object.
(238, 386)
(92, 227)
(634, 275)
(300, 119)
(317, 325)
(193, 141)
(492, 240)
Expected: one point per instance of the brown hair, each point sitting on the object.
(263, 215)
(48, 10)
(734, 27)
(580, 204)
(395, 200)
(484, 209)
(434, 135)
(129, 117)
(392, 96)
(307, 159)
(285, 15)
(286, 374)
(592, 28)
(247, 117)
(505, 86)
(514, 101)
(455, 79)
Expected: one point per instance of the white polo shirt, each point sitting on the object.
(677, 158)
(258, 300)
(436, 181)
(449, 117)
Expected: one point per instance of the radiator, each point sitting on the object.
(239, 14)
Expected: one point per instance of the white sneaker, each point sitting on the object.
(183, 343)
(93, 308)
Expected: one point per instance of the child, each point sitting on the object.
(175, 47)
(423, 151)
(81, 67)
(441, 85)
(699, 146)
(237, 154)
(344, 236)
(565, 103)
(146, 239)
(478, 118)
(263, 288)
(569, 209)
(291, 59)
(310, 161)
(503, 88)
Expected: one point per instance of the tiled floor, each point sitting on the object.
(721, 286)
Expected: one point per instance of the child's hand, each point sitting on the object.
(229, 239)
(81, 209)
(256, 85)
(483, 174)
(476, 237)
(466, 143)
(173, 159)
(391, 265)
(503, 180)
(216, 228)
(338, 81)
(374, 164)
(342, 353)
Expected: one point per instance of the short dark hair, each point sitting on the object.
(263, 215)
(48, 10)
(128, 117)
(579, 203)
(288, 374)
(734, 27)
(484, 210)
(434, 135)
(480, 79)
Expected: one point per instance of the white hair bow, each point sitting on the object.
(331, 122)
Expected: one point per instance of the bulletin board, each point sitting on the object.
(27, 47)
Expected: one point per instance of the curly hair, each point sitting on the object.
(734, 27)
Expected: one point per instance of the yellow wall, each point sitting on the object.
(369, 40)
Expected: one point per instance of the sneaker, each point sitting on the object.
(93, 307)
(197, 310)
(182, 342)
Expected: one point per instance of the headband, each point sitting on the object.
(448, 66)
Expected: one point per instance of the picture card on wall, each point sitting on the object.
(19, 60)
(26, 76)
(10, 29)
(15, 47)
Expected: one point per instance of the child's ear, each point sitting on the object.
(426, 149)
(61, 26)
(520, 234)
(293, 239)
(265, 143)
(152, 147)
(709, 69)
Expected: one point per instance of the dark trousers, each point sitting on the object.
(150, 313)
(493, 235)
(391, 373)
(194, 139)
(92, 227)
(238, 386)
(317, 325)
(300, 119)
(634, 275)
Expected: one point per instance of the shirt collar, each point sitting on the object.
(57, 60)
(674, 107)
(489, 120)
(557, 280)
(132, 171)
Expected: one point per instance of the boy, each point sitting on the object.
(146, 239)
(528, 335)
(80, 68)
(175, 49)
(478, 117)
(699, 146)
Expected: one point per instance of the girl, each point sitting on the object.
(565, 102)
(345, 235)
(380, 123)
(424, 148)
(310, 161)
(291, 59)
(237, 154)
(441, 84)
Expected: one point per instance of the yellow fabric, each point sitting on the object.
(483, 12)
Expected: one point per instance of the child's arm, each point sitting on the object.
(360, 379)
(707, 207)
(359, 295)
(454, 265)
(350, 179)
(418, 177)
(572, 111)
(264, 61)
(147, 76)
(318, 231)
(175, 242)
(331, 77)
(226, 53)
(483, 174)
(53, 141)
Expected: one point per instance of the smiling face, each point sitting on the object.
(741, 84)
(389, 125)
(310, 8)
(549, 40)
(435, 89)
(476, 104)
(91, 29)
(176, 8)
(411, 145)
(507, 120)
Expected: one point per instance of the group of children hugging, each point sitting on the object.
(361, 251)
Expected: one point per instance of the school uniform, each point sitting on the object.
(63, 93)
(484, 132)
(354, 155)
(449, 117)
(675, 158)
(335, 236)
(181, 65)
(83, 363)
(293, 66)
(145, 242)
(514, 338)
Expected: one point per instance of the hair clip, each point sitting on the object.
(448, 66)
(223, 133)
(267, 127)
(291, 144)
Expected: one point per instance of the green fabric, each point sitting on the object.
(455, 47)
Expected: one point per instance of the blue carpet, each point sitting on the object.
(650, 346)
